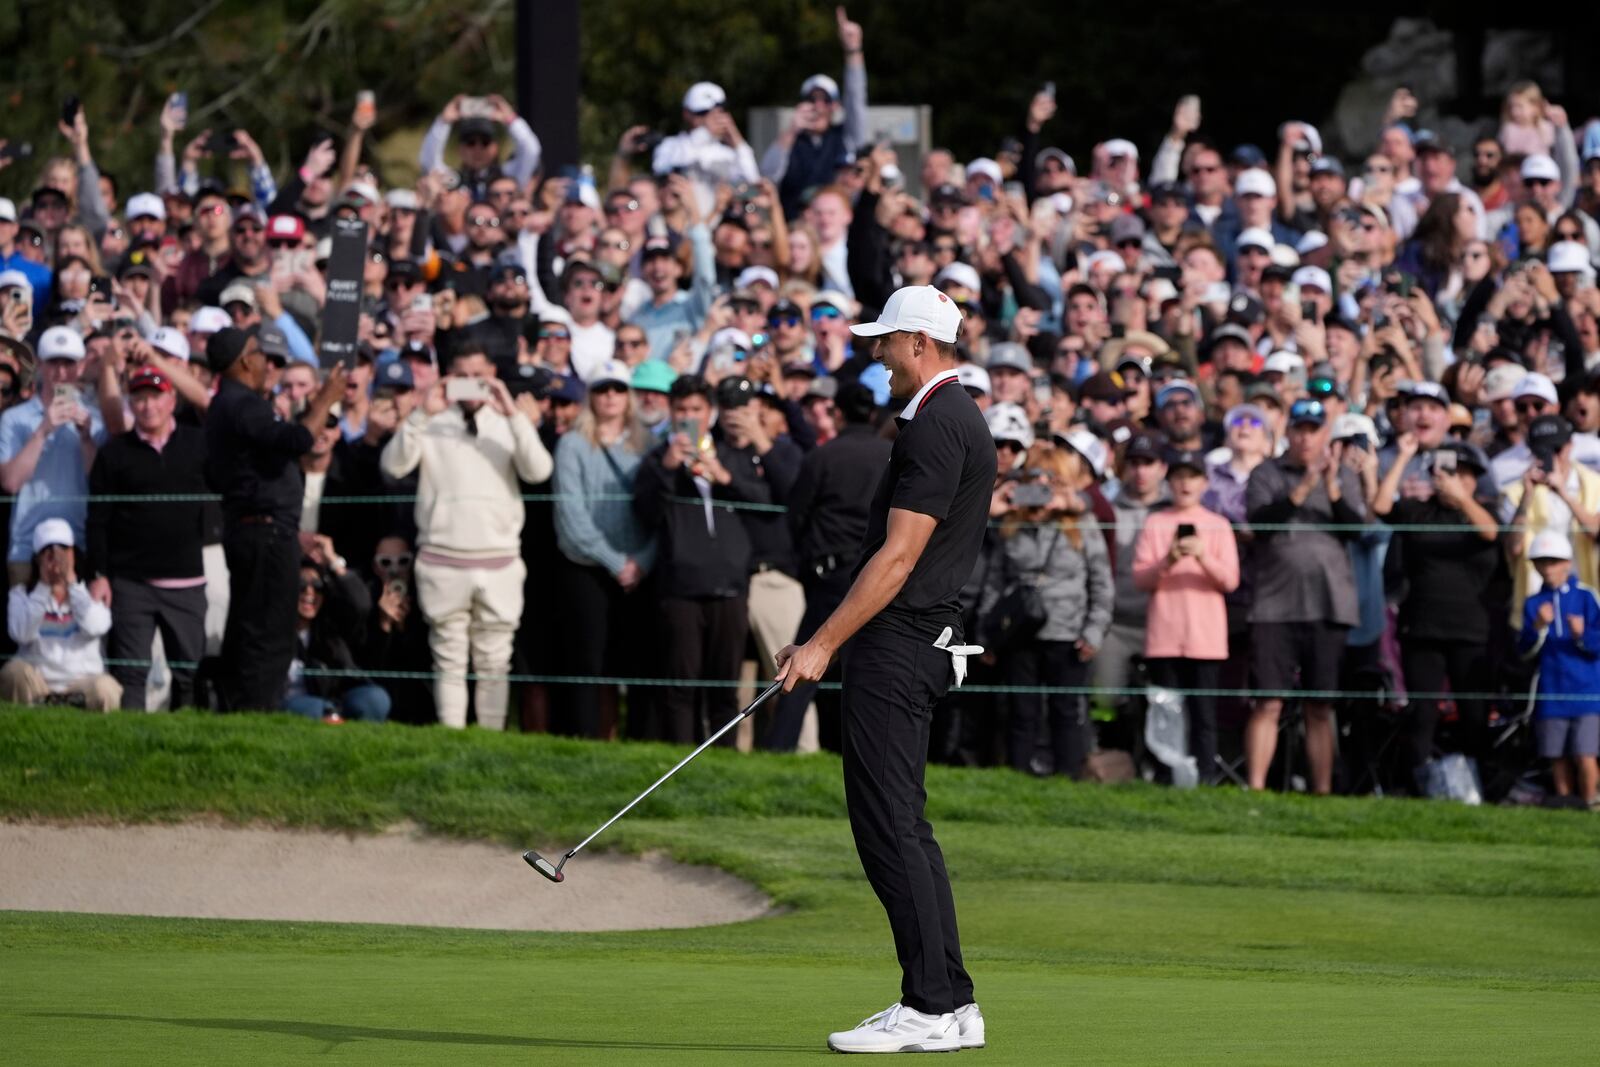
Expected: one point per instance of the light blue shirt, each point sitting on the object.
(684, 313)
(60, 483)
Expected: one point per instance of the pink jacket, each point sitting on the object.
(1188, 614)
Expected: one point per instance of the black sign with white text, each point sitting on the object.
(341, 314)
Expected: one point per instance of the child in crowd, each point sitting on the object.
(1561, 626)
(1524, 129)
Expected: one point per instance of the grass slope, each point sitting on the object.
(1104, 925)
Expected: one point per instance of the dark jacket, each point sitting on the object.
(828, 503)
(338, 630)
(155, 539)
(705, 552)
(771, 545)
(403, 648)
(252, 459)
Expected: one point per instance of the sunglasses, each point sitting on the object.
(476, 142)
(248, 229)
(310, 583)
(484, 222)
(587, 283)
(402, 283)
(281, 242)
(1008, 446)
(1130, 242)
(393, 563)
(608, 387)
(554, 335)
(616, 246)
(1538, 181)
(214, 209)
(783, 320)
(1247, 421)
(826, 311)
(632, 343)
(1530, 407)
(942, 247)
(620, 207)
(1209, 168)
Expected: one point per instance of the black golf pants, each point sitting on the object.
(891, 683)
(259, 641)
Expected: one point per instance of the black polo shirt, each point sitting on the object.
(942, 464)
(252, 459)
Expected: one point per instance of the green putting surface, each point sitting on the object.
(1103, 926)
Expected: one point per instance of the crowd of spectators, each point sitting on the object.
(1267, 419)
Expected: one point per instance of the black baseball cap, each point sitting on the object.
(1180, 458)
(1146, 445)
(228, 344)
(1548, 434)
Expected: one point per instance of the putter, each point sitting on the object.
(552, 871)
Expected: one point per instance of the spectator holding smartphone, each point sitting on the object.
(1555, 495)
(57, 626)
(1559, 625)
(1187, 560)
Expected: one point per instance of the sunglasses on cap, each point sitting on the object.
(1307, 411)
(826, 311)
(1322, 387)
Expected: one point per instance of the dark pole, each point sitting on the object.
(547, 76)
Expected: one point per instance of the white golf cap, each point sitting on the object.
(15, 279)
(238, 293)
(8, 210)
(554, 313)
(146, 206)
(52, 532)
(1159, 290)
(703, 96)
(916, 309)
(1255, 237)
(1546, 545)
(1090, 447)
(1120, 146)
(208, 320)
(1537, 385)
(60, 342)
(1541, 166)
(1501, 382)
(401, 199)
(833, 298)
(613, 371)
(1313, 278)
(1310, 242)
(1254, 182)
(1312, 139)
(1284, 256)
(756, 276)
(365, 190)
(819, 81)
(1354, 424)
(172, 342)
(1105, 258)
(1568, 257)
(962, 274)
(972, 376)
(1008, 422)
(984, 167)
(1282, 362)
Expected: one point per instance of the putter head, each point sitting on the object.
(544, 866)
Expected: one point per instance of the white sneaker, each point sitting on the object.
(969, 1020)
(900, 1029)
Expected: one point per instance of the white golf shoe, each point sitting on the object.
(901, 1029)
(969, 1021)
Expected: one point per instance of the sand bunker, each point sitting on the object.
(216, 872)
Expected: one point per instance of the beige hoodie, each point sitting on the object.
(468, 501)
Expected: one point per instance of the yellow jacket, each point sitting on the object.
(1585, 553)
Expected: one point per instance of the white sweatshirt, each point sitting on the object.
(468, 501)
(62, 640)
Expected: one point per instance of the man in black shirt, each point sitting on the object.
(253, 461)
(924, 531)
(828, 517)
(146, 554)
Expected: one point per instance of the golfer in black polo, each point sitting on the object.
(923, 535)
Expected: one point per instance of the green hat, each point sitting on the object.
(653, 376)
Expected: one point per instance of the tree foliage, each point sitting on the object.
(286, 69)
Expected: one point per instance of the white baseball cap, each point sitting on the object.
(1314, 278)
(972, 376)
(1536, 384)
(1310, 242)
(365, 190)
(984, 167)
(1104, 258)
(614, 371)
(915, 309)
(1119, 146)
(1501, 382)
(756, 276)
(1311, 138)
(1284, 362)
(819, 81)
(208, 320)
(1254, 182)
(1540, 165)
(401, 199)
(1547, 544)
(15, 279)
(1255, 237)
(703, 96)
(1354, 424)
(172, 342)
(1568, 257)
(238, 293)
(962, 274)
(146, 206)
(1008, 422)
(60, 342)
(1090, 447)
(52, 532)
(8, 210)
(835, 299)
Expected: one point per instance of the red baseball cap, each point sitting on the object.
(286, 228)
(149, 378)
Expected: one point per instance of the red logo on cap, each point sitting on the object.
(943, 299)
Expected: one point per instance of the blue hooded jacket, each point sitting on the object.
(1568, 665)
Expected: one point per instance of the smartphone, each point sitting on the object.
(1185, 529)
(399, 587)
(1031, 495)
(422, 302)
(1444, 461)
(1546, 464)
(1360, 441)
(70, 108)
(457, 390)
(65, 393)
(179, 103)
(1308, 311)
(1049, 89)
(366, 103)
(221, 143)
(1043, 392)
(16, 150)
(986, 192)
(476, 107)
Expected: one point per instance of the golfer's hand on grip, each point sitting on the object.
(801, 663)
